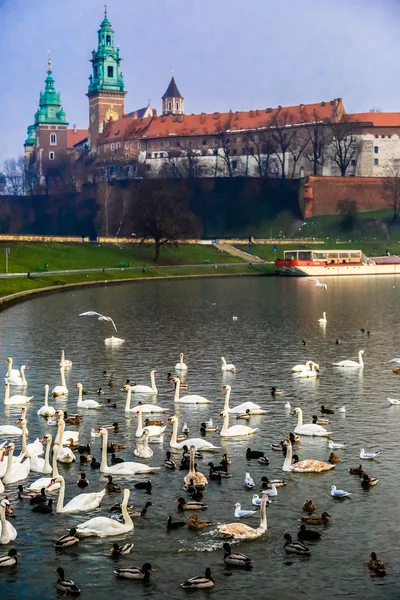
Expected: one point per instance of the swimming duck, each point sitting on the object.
(245, 416)
(85, 458)
(192, 491)
(155, 422)
(66, 586)
(309, 506)
(176, 525)
(112, 487)
(94, 464)
(110, 383)
(111, 404)
(114, 426)
(333, 458)
(100, 392)
(72, 419)
(319, 420)
(263, 460)
(356, 470)
(308, 534)
(276, 392)
(225, 462)
(315, 520)
(118, 551)
(190, 505)
(43, 508)
(208, 428)
(278, 447)
(168, 463)
(25, 494)
(136, 573)
(367, 482)
(142, 513)
(10, 559)
(377, 567)
(39, 498)
(199, 582)
(115, 460)
(82, 481)
(113, 447)
(67, 540)
(144, 485)
(194, 523)
(266, 483)
(236, 559)
(254, 454)
(292, 547)
(327, 411)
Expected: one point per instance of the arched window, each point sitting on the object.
(177, 106)
(53, 139)
(108, 40)
(51, 155)
(169, 106)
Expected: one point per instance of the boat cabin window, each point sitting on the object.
(319, 255)
(304, 255)
(290, 255)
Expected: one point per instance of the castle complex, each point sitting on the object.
(294, 141)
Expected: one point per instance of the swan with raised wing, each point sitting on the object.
(125, 468)
(15, 399)
(67, 364)
(16, 471)
(145, 389)
(18, 380)
(8, 533)
(352, 363)
(145, 408)
(303, 466)
(180, 366)
(308, 428)
(104, 527)
(254, 409)
(60, 390)
(153, 430)
(190, 399)
(240, 531)
(80, 503)
(46, 410)
(227, 366)
(43, 482)
(198, 443)
(85, 403)
(234, 430)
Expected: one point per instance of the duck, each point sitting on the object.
(156, 422)
(236, 559)
(308, 534)
(245, 416)
(356, 470)
(100, 392)
(18, 380)
(46, 410)
(193, 522)
(118, 550)
(39, 498)
(199, 582)
(309, 428)
(114, 447)
(327, 411)
(73, 419)
(319, 420)
(309, 506)
(377, 567)
(198, 443)
(189, 399)
(368, 481)
(65, 541)
(324, 320)
(104, 527)
(199, 480)
(80, 503)
(82, 481)
(352, 363)
(44, 508)
(254, 454)
(174, 525)
(111, 487)
(116, 460)
(254, 409)
(268, 483)
(276, 392)
(227, 366)
(144, 485)
(190, 505)
(304, 466)
(60, 390)
(136, 573)
(85, 403)
(125, 468)
(10, 559)
(225, 462)
(316, 520)
(25, 494)
(94, 464)
(67, 587)
(143, 450)
(292, 547)
(240, 531)
(234, 430)
(168, 463)
(279, 447)
(16, 399)
(180, 366)
(216, 472)
(333, 458)
(208, 427)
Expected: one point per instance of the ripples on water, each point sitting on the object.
(160, 319)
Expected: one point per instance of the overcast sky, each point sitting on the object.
(226, 54)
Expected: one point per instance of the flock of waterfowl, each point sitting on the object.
(185, 452)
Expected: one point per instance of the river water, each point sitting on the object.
(161, 319)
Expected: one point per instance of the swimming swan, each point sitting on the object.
(16, 399)
(10, 371)
(352, 363)
(254, 409)
(324, 320)
(43, 482)
(298, 368)
(153, 430)
(234, 430)
(46, 410)
(104, 527)
(67, 364)
(198, 443)
(18, 380)
(143, 450)
(145, 389)
(125, 468)
(82, 502)
(16, 471)
(145, 408)
(190, 399)
(85, 403)
(227, 367)
(8, 533)
(309, 428)
(240, 531)
(304, 466)
(180, 366)
(60, 390)
(311, 372)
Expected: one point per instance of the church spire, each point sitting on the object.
(50, 109)
(172, 100)
(106, 74)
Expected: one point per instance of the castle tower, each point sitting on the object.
(172, 101)
(106, 83)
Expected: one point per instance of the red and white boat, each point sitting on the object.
(321, 263)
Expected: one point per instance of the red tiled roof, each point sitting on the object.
(74, 137)
(211, 123)
(378, 119)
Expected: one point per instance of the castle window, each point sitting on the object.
(353, 163)
(53, 139)
(162, 144)
(244, 151)
(204, 142)
(227, 141)
(376, 162)
(203, 152)
(177, 143)
(126, 146)
(118, 145)
(95, 73)
(132, 146)
(149, 155)
(169, 106)
(215, 152)
(112, 146)
(234, 164)
(51, 155)
(155, 155)
(177, 106)
(376, 149)
(108, 40)
(110, 71)
(126, 155)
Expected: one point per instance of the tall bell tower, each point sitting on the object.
(106, 83)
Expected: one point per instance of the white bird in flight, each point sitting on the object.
(394, 360)
(92, 313)
(319, 284)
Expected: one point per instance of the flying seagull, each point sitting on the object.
(92, 313)
(319, 284)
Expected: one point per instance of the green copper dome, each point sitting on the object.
(31, 139)
(50, 109)
(106, 61)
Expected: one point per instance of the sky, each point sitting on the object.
(225, 54)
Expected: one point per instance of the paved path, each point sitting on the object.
(240, 253)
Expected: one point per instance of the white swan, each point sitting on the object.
(324, 319)
(18, 380)
(114, 340)
(304, 466)
(34, 448)
(180, 366)
(67, 364)
(60, 390)
(42, 465)
(145, 389)
(234, 430)
(143, 450)
(190, 399)
(240, 531)
(153, 430)
(46, 410)
(85, 403)
(10, 371)
(309, 428)
(125, 468)
(43, 482)
(254, 409)
(198, 443)
(352, 363)
(82, 502)
(16, 399)
(298, 368)
(16, 471)
(145, 408)
(8, 533)
(104, 527)
(65, 455)
(10, 430)
(227, 366)
(310, 373)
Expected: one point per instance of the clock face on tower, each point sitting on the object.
(111, 113)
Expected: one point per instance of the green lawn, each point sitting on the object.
(60, 256)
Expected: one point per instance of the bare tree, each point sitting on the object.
(183, 164)
(224, 152)
(105, 196)
(284, 136)
(317, 135)
(260, 146)
(391, 188)
(344, 145)
(159, 211)
(12, 176)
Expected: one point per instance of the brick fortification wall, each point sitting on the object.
(321, 194)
